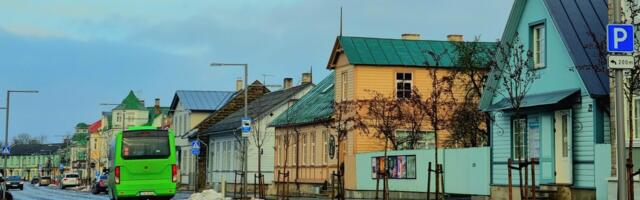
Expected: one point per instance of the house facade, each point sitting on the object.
(560, 125)
(188, 108)
(306, 154)
(34, 160)
(224, 139)
(199, 133)
(391, 67)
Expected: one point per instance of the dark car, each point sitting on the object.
(100, 185)
(34, 181)
(45, 181)
(14, 182)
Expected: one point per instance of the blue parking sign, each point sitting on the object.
(620, 38)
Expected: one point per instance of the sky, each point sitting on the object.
(81, 54)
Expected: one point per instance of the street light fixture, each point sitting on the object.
(6, 130)
(246, 86)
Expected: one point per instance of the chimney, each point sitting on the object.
(411, 36)
(239, 85)
(288, 82)
(157, 106)
(306, 78)
(455, 37)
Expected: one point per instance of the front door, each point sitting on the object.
(563, 151)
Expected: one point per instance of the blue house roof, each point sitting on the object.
(200, 100)
(582, 24)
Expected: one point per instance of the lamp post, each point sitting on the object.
(245, 149)
(6, 130)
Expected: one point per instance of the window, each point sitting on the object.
(539, 47)
(518, 142)
(343, 86)
(325, 151)
(425, 140)
(403, 85)
(636, 118)
(313, 147)
(304, 149)
(145, 144)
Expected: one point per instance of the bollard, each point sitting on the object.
(223, 189)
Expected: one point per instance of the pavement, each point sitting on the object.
(35, 192)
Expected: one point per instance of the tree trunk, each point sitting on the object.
(630, 156)
(385, 187)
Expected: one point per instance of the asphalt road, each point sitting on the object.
(34, 192)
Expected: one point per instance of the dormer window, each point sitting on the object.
(538, 46)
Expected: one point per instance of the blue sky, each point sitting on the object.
(81, 54)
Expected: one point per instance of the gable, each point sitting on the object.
(566, 52)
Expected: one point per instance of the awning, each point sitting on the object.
(534, 100)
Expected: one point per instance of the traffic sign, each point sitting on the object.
(195, 151)
(6, 151)
(195, 145)
(246, 126)
(620, 38)
(620, 62)
(61, 166)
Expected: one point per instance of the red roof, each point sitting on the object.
(93, 128)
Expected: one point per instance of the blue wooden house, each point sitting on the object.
(564, 116)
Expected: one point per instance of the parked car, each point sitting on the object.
(45, 181)
(100, 185)
(70, 180)
(7, 194)
(14, 182)
(34, 180)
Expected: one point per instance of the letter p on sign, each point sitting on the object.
(620, 38)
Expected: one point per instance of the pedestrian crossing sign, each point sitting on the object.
(6, 151)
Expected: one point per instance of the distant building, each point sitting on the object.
(188, 108)
(307, 118)
(34, 160)
(78, 149)
(225, 153)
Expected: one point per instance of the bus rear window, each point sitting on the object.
(145, 144)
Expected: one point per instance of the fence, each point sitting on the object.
(466, 171)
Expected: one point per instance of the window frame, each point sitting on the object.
(425, 140)
(541, 61)
(524, 137)
(403, 81)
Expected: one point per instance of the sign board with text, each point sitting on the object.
(620, 62)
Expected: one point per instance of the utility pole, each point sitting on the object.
(244, 139)
(6, 134)
(620, 136)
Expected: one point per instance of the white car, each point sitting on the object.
(70, 180)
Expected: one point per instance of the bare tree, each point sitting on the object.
(469, 125)
(26, 138)
(415, 115)
(287, 139)
(381, 118)
(343, 120)
(513, 71)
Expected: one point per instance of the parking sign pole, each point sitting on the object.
(622, 178)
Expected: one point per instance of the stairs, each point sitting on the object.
(546, 191)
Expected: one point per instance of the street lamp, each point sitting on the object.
(246, 86)
(6, 130)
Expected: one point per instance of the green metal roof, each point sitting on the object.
(153, 115)
(399, 52)
(131, 102)
(81, 125)
(316, 105)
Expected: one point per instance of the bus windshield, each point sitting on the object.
(145, 144)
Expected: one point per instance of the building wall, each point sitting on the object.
(315, 171)
(183, 122)
(362, 82)
(226, 159)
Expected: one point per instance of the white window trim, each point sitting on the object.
(539, 62)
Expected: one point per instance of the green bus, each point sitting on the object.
(143, 164)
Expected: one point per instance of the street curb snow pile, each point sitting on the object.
(207, 195)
